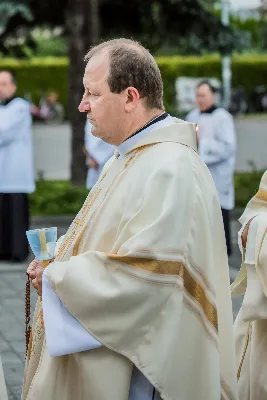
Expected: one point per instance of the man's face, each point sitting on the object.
(7, 86)
(52, 98)
(205, 97)
(105, 110)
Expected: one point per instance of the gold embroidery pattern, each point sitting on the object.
(78, 224)
(77, 244)
(244, 351)
(149, 252)
(193, 288)
(261, 195)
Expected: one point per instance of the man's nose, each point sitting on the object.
(84, 106)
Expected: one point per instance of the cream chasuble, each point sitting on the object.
(143, 268)
(251, 322)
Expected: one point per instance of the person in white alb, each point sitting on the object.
(217, 148)
(251, 323)
(16, 170)
(136, 304)
(98, 153)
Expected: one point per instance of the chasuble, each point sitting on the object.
(251, 323)
(143, 269)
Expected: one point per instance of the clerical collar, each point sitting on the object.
(160, 117)
(155, 124)
(209, 110)
(6, 102)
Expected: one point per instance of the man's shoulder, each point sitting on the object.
(166, 156)
(20, 103)
(193, 115)
(222, 113)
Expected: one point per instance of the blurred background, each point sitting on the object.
(44, 42)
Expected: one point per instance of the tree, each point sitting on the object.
(157, 23)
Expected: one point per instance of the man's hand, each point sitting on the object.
(35, 272)
(244, 236)
(92, 163)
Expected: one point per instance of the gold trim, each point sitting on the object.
(244, 352)
(261, 195)
(174, 268)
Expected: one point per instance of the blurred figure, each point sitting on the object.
(51, 109)
(97, 154)
(16, 170)
(251, 323)
(216, 147)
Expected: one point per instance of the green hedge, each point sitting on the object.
(61, 198)
(39, 75)
(246, 186)
(57, 198)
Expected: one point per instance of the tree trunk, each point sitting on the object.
(80, 34)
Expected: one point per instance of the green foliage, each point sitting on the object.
(61, 198)
(246, 186)
(39, 75)
(57, 198)
(55, 47)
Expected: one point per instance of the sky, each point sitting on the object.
(235, 4)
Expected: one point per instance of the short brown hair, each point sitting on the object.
(132, 65)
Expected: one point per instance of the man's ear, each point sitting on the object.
(132, 99)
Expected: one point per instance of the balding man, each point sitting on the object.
(16, 170)
(137, 303)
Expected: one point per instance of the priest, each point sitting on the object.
(251, 322)
(136, 305)
(16, 170)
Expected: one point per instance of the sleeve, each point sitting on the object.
(222, 145)
(102, 152)
(11, 118)
(64, 334)
(87, 132)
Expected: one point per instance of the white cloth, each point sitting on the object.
(64, 334)
(100, 151)
(3, 392)
(16, 159)
(217, 148)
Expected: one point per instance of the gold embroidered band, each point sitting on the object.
(261, 195)
(244, 352)
(192, 287)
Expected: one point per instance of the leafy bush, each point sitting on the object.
(246, 186)
(38, 75)
(57, 198)
(61, 198)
